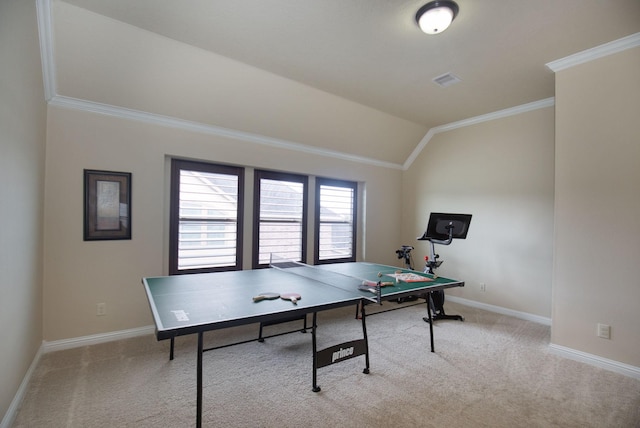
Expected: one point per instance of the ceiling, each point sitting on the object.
(373, 53)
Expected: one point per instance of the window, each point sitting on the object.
(280, 217)
(206, 217)
(335, 223)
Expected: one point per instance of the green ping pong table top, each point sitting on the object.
(186, 304)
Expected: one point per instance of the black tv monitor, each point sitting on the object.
(438, 227)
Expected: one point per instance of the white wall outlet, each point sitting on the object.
(101, 309)
(604, 331)
(483, 287)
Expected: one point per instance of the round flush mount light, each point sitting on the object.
(436, 16)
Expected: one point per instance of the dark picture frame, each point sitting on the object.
(107, 205)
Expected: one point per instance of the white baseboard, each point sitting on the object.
(94, 339)
(10, 416)
(58, 345)
(594, 360)
(500, 310)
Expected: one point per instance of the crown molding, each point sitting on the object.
(616, 46)
(45, 34)
(172, 122)
(547, 102)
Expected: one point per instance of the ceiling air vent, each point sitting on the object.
(447, 79)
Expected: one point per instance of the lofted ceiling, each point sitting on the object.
(372, 52)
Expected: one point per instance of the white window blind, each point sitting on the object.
(207, 220)
(281, 226)
(336, 220)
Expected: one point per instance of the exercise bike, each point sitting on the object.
(442, 229)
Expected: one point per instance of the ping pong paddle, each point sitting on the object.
(265, 296)
(373, 283)
(294, 297)
(363, 287)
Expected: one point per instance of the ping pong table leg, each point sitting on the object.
(260, 338)
(199, 382)
(173, 339)
(430, 322)
(315, 388)
(366, 341)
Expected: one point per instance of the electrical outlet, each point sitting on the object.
(483, 287)
(604, 331)
(101, 309)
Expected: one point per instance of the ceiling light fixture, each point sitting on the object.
(436, 16)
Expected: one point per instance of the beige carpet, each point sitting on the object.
(489, 371)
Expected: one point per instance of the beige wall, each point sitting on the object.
(22, 142)
(79, 274)
(597, 207)
(501, 172)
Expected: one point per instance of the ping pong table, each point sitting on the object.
(197, 303)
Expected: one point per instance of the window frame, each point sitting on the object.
(320, 181)
(277, 176)
(178, 165)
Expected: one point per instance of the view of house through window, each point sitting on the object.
(205, 217)
(335, 220)
(207, 211)
(281, 220)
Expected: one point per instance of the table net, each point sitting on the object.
(362, 287)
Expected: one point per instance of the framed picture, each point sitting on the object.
(107, 205)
